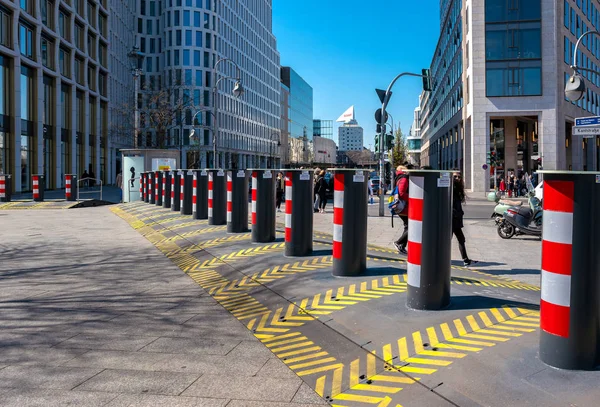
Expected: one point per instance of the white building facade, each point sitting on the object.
(505, 101)
(351, 136)
(413, 140)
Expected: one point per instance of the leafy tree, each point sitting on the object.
(400, 150)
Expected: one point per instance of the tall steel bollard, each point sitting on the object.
(176, 191)
(570, 303)
(5, 188)
(349, 222)
(151, 186)
(429, 239)
(298, 213)
(186, 192)
(38, 183)
(167, 189)
(141, 186)
(237, 201)
(146, 179)
(263, 206)
(158, 188)
(70, 179)
(217, 197)
(200, 195)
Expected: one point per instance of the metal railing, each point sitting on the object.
(85, 182)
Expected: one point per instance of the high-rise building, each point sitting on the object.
(493, 97)
(285, 124)
(414, 139)
(323, 128)
(350, 136)
(300, 115)
(182, 43)
(54, 75)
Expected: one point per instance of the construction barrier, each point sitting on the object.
(38, 184)
(298, 213)
(5, 188)
(429, 239)
(349, 222)
(200, 195)
(570, 297)
(263, 206)
(217, 198)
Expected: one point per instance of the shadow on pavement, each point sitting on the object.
(469, 302)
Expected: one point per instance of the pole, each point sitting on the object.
(215, 164)
(136, 124)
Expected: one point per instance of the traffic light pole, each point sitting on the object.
(386, 100)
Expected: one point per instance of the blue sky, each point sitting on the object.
(346, 49)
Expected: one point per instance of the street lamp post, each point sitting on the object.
(193, 131)
(135, 56)
(273, 148)
(575, 88)
(238, 91)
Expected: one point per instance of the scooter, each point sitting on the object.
(502, 205)
(519, 220)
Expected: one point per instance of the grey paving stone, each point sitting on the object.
(152, 401)
(192, 345)
(210, 364)
(138, 382)
(119, 360)
(104, 341)
(248, 403)
(307, 395)
(251, 349)
(24, 355)
(38, 339)
(44, 377)
(53, 398)
(244, 388)
(276, 368)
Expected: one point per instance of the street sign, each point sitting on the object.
(381, 94)
(378, 116)
(485, 166)
(588, 121)
(587, 132)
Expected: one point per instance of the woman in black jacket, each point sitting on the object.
(459, 197)
(321, 190)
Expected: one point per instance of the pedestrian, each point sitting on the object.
(459, 197)
(85, 178)
(316, 198)
(93, 178)
(370, 188)
(502, 187)
(280, 187)
(511, 185)
(321, 190)
(119, 182)
(401, 189)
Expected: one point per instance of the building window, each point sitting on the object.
(63, 25)
(79, 7)
(27, 5)
(91, 45)
(102, 26)
(79, 37)
(47, 11)
(5, 29)
(79, 71)
(91, 10)
(103, 55)
(47, 53)
(102, 81)
(92, 77)
(27, 91)
(64, 62)
(26, 40)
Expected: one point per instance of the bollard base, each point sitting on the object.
(424, 300)
(348, 270)
(554, 353)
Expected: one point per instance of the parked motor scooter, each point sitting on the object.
(520, 220)
(502, 205)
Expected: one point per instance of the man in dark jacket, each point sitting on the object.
(401, 182)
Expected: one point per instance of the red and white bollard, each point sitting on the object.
(5, 188)
(210, 196)
(338, 214)
(298, 213)
(141, 187)
(253, 198)
(415, 229)
(38, 191)
(229, 196)
(288, 207)
(194, 197)
(69, 196)
(173, 176)
(181, 187)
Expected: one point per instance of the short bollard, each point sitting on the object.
(5, 188)
(176, 191)
(429, 239)
(349, 222)
(570, 303)
(237, 201)
(263, 206)
(186, 192)
(200, 195)
(158, 189)
(70, 179)
(146, 179)
(141, 186)
(298, 213)
(38, 183)
(217, 198)
(151, 186)
(166, 189)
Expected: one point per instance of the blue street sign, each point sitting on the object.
(587, 121)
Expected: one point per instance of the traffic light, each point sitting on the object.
(378, 128)
(491, 158)
(426, 80)
(377, 143)
(389, 141)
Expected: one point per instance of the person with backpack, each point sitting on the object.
(400, 196)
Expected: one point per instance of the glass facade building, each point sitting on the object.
(301, 104)
(323, 128)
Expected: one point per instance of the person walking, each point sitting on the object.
(321, 191)
(401, 189)
(119, 182)
(502, 187)
(458, 198)
(280, 187)
(316, 199)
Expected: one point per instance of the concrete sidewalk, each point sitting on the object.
(92, 314)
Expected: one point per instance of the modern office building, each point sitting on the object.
(325, 151)
(54, 75)
(350, 136)
(285, 124)
(300, 116)
(182, 41)
(492, 95)
(414, 139)
(323, 128)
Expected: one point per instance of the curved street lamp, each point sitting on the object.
(135, 56)
(238, 91)
(273, 147)
(193, 137)
(575, 88)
